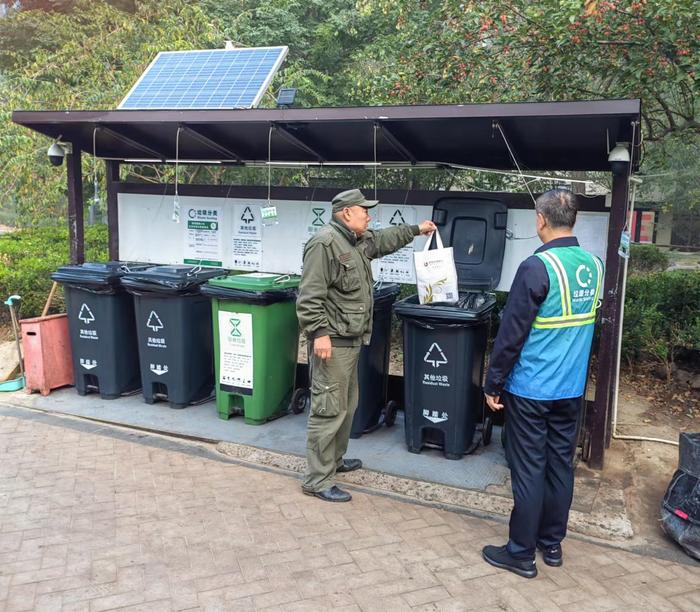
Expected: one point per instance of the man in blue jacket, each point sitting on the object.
(538, 371)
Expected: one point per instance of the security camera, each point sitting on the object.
(619, 159)
(57, 151)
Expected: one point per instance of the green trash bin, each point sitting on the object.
(256, 336)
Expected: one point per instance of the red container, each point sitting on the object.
(47, 354)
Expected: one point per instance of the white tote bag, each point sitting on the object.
(436, 274)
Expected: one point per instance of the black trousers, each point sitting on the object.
(540, 444)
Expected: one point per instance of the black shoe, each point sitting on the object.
(334, 494)
(349, 465)
(498, 556)
(551, 555)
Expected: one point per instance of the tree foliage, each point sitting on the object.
(489, 50)
(85, 54)
(87, 59)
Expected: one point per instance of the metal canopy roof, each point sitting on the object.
(542, 135)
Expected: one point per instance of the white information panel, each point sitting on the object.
(236, 351)
(147, 233)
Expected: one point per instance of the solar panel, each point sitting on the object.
(210, 78)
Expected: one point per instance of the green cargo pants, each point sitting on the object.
(334, 395)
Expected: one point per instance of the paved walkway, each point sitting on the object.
(94, 518)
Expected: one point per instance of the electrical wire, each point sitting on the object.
(269, 165)
(515, 161)
(375, 160)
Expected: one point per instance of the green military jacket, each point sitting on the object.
(336, 289)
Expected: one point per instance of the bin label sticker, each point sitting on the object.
(158, 369)
(436, 380)
(236, 349)
(397, 267)
(85, 315)
(435, 356)
(89, 334)
(154, 321)
(158, 343)
(88, 364)
(202, 236)
(435, 416)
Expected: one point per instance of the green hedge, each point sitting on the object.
(647, 258)
(662, 316)
(28, 257)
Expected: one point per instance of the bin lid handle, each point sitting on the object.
(194, 270)
(282, 279)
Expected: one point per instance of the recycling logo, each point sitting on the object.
(247, 216)
(235, 332)
(154, 321)
(435, 356)
(397, 218)
(85, 315)
(318, 219)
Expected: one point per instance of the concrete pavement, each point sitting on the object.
(100, 518)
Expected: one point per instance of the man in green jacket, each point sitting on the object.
(335, 307)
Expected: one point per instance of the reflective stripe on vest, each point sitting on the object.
(567, 318)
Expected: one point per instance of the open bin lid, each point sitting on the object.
(475, 228)
(96, 274)
(169, 279)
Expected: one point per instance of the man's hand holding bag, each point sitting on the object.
(436, 274)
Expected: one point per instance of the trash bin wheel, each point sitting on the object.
(390, 411)
(486, 430)
(300, 399)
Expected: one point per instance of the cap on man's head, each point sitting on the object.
(351, 197)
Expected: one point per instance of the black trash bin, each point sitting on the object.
(102, 327)
(373, 368)
(444, 345)
(173, 323)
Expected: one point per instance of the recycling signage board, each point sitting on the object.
(203, 236)
(236, 352)
(397, 267)
(247, 237)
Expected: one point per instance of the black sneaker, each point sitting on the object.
(551, 555)
(498, 556)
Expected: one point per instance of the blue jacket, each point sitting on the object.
(537, 354)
